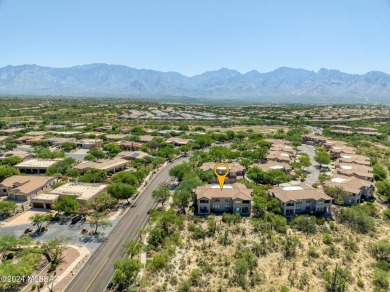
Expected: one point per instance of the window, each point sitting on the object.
(215, 207)
(203, 201)
(299, 201)
(228, 199)
(216, 200)
(308, 201)
(320, 202)
(290, 204)
(246, 202)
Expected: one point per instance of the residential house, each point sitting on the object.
(236, 171)
(21, 154)
(24, 187)
(131, 155)
(178, 141)
(89, 143)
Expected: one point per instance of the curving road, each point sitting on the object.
(98, 271)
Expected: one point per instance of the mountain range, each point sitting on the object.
(281, 85)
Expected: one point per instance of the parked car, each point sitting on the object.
(76, 219)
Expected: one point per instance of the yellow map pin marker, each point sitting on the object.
(221, 170)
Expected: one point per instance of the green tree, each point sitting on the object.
(105, 201)
(68, 146)
(121, 191)
(89, 157)
(337, 193)
(322, 157)
(99, 219)
(7, 208)
(133, 247)
(39, 219)
(7, 171)
(306, 224)
(358, 219)
(179, 171)
(126, 177)
(66, 204)
(13, 160)
(126, 272)
(379, 172)
(240, 270)
(113, 149)
(181, 199)
(93, 175)
(161, 194)
(54, 249)
(61, 166)
(97, 153)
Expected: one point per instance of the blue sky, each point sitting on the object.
(194, 36)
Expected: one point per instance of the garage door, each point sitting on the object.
(20, 198)
(38, 205)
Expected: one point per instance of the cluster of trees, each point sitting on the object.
(272, 177)
(337, 193)
(7, 171)
(63, 167)
(93, 175)
(45, 153)
(322, 156)
(359, 218)
(11, 161)
(7, 208)
(187, 177)
(20, 257)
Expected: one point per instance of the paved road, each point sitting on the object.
(98, 271)
(313, 170)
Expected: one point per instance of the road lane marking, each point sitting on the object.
(86, 268)
(90, 283)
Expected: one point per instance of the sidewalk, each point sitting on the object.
(71, 270)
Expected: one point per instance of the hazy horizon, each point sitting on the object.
(194, 37)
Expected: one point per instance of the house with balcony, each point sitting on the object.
(301, 199)
(355, 188)
(234, 198)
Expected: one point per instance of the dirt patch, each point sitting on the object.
(24, 218)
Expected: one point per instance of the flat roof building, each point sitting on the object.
(109, 165)
(36, 166)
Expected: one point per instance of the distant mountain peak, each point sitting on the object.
(283, 84)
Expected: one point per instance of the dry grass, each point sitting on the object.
(274, 268)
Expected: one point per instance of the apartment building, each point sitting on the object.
(235, 198)
(357, 170)
(355, 187)
(300, 199)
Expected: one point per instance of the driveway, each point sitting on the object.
(313, 170)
